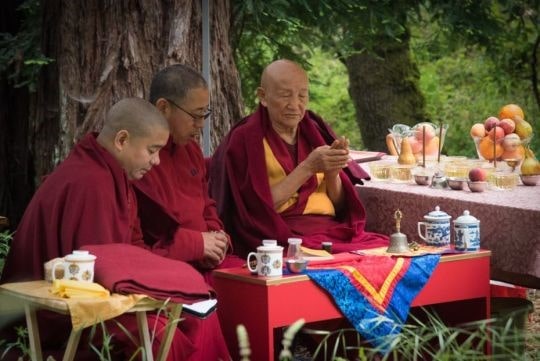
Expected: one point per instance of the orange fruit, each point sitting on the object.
(518, 153)
(511, 111)
(485, 148)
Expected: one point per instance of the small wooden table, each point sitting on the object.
(31, 304)
(264, 304)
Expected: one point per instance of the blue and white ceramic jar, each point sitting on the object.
(435, 230)
(467, 233)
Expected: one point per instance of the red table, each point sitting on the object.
(264, 304)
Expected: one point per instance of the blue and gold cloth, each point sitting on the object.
(374, 292)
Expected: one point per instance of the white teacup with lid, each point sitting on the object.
(436, 231)
(467, 232)
(77, 266)
(269, 261)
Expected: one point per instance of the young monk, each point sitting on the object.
(89, 199)
(282, 173)
(178, 217)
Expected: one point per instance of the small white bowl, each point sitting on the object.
(477, 186)
(530, 180)
(296, 265)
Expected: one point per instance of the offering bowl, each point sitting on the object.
(477, 186)
(296, 265)
(530, 180)
(456, 183)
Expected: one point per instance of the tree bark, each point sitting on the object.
(383, 85)
(108, 50)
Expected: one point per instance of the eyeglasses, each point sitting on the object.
(194, 116)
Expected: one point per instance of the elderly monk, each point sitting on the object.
(282, 173)
(178, 218)
(89, 199)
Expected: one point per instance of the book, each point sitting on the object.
(315, 254)
(361, 156)
(201, 309)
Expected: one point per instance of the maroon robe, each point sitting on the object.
(239, 184)
(174, 205)
(88, 199)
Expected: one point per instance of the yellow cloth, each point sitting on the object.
(84, 312)
(318, 202)
(78, 289)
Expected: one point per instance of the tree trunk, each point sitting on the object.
(108, 50)
(384, 89)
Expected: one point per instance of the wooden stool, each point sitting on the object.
(32, 303)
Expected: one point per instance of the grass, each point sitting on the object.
(421, 338)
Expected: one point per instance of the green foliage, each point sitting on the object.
(21, 343)
(423, 337)
(21, 58)
(5, 242)
(329, 96)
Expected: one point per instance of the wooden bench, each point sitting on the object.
(31, 303)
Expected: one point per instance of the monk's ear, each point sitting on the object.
(261, 94)
(163, 106)
(121, 139)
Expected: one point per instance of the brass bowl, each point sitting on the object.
(296, 265)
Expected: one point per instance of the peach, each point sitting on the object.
(508, 125)
(432, 147)
(477, 175)
(490, 123)
(416, 145)
(430, 132)
(478, 130)
(496, 132)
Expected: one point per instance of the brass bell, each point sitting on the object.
(398, 240)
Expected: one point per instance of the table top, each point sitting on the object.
(509, 221)
(244, 275)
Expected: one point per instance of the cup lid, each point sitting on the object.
(466, 218)
(270, 249)
(437, 214)
(80, 256)
(294, 240)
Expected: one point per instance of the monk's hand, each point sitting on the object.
(215, 248)
(325, 159)
(340, 143)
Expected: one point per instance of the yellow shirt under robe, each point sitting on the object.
(317, 203)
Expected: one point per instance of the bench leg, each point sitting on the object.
(73, 343)
(33, 333)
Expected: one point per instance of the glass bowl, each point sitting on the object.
(501, 180)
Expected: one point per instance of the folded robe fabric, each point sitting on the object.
(374, 292)
(127, 269)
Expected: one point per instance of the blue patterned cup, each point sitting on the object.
(467, 233)
(435, 230)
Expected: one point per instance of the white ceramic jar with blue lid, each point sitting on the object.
(467, 232)
(435, 229)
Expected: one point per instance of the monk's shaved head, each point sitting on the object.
(280, 70)
(135, 115)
